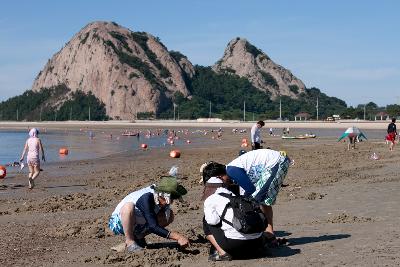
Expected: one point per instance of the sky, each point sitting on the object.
(348, 49)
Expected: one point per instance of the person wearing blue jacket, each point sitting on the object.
(148, 211)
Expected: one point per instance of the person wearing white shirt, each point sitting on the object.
(255, 135)
(226, 241)
(260, 174)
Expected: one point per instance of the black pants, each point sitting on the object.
(235, 247)
(256, 146)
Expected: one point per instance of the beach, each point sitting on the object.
(201, 123)
(338, 207)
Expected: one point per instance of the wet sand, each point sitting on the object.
(340, 207)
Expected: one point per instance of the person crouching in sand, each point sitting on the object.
(260, 174)
(226, 241)
(148, 211)
(32, 146)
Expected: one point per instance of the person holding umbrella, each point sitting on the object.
(354, 135)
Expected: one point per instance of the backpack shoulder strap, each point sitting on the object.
(228, 205)
(226, 195)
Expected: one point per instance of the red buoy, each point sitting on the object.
(63, 151)
(3, 172)
(175, 154)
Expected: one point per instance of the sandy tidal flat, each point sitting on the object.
(339, 207)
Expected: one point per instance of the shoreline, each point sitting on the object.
(343, 124)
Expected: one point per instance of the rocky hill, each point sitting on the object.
(130, 72)
(245, 60)
(133, 73)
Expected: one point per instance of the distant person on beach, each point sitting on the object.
(32, 147)
(226, 241)
(392, 133)
(271, 131)
(148, 211)
(260, 174)
(352, 142)
(255, 135)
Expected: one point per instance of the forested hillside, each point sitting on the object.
(228, 94)
(51, 104)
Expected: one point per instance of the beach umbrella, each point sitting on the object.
(352, 132)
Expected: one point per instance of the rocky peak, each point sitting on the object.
(129, 71)
(245, 60)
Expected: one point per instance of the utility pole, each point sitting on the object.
(17, 113)
(174, 109)
(178, 113)
(317, 108)
(70, 113)
(244, 110)
(40, 114)
(209, 116)
(280, 108)
(364, 111)
(89, 113)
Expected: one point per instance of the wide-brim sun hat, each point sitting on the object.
(170, 185)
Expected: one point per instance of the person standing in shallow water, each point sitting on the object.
(32, 145)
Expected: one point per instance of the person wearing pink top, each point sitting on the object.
(32, 147)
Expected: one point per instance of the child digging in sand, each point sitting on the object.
(32, 146)
(148, 211)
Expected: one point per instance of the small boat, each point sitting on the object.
(306, 136)
(129, 134)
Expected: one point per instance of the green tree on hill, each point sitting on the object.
(45, 105)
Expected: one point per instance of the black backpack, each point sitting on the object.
(247, 215)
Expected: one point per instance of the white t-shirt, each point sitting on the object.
(255, 134)
(214, 205)
(255, 161)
